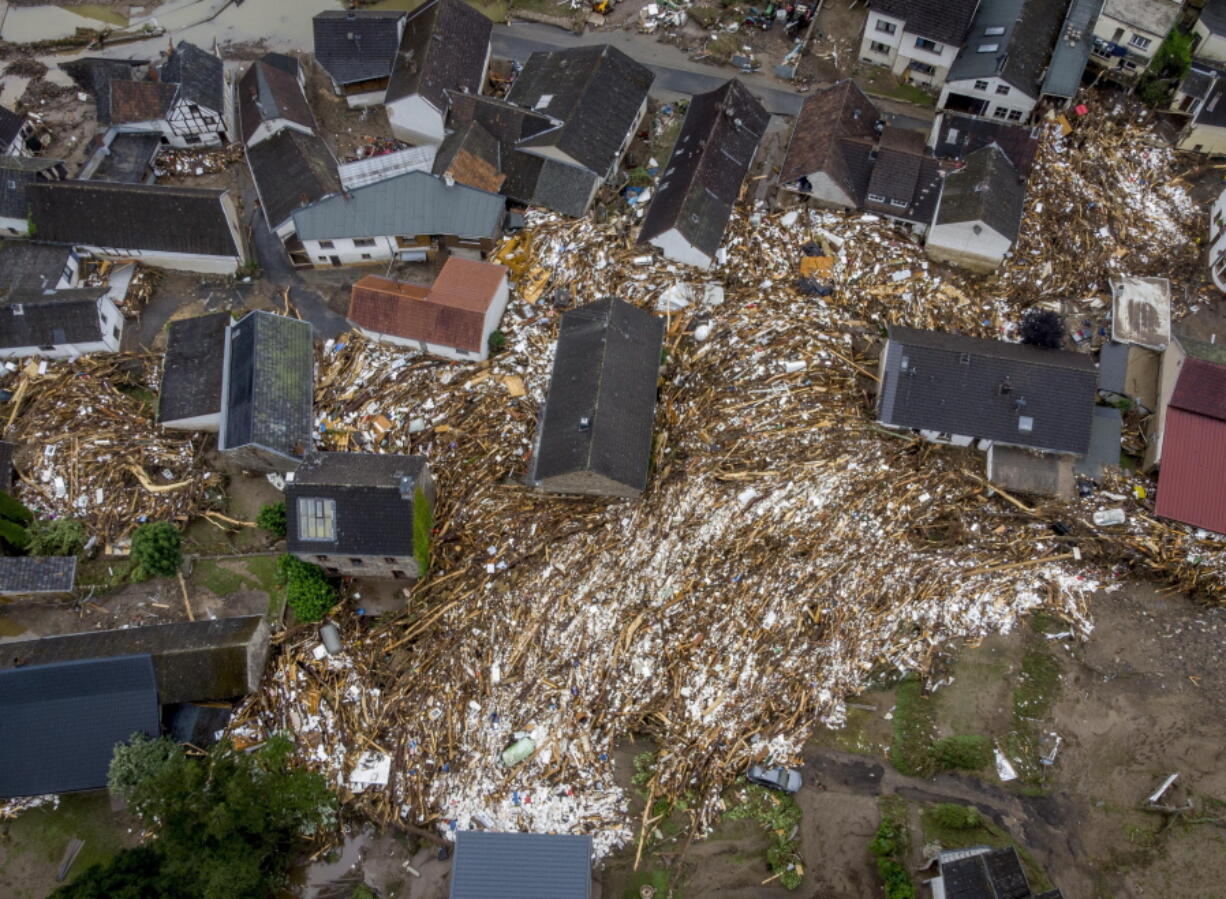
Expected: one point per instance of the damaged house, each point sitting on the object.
(16, 174)
(702, 180)
(1031, 408)
(1205, 131)
(361, 514)
(917, 39)
(1128, 33)
(271, 98)
(979, 212)
(184, 101)
(59, 324)
(356, 48)
(192, 371)
(444, 46)
(16, 132)
(596, 426)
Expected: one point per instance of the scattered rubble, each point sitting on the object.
(174, 161)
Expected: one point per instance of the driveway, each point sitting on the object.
(277, 269)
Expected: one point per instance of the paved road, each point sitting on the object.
(277, 269)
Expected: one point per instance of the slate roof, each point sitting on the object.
(444, 47)
(25, 575)
(521, 866)
(451, 312)
(291, 170)
(605, 369)
(1154, 16)
(31, 265)
(1072, 50)
(996, 874)
(267, 92)
(193, 661)
(16, 173)
(987, 190)
(944, 21)
(10, 126)
(192, 370)
(140, 101)
(59, 723)
(129, 159)
(1199, 81)
(373, 493)
(1212, 111)
(356, 45)
(960, 135)
(595, 92)
(36, 318)
(983, 388)
(408, 204)
(710, 159)
(898, 173)
(472, 156)
(93, 74)
(132, 216)
(199, 74)
(827, 115)
(506, 122)
(1022, 52)
(270, 385)
(1213, 16)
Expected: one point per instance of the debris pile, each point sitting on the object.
(174, 161)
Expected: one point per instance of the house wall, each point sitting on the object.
(273, 127)
(416, 120)
(14, 227)
(252, 457)
(19, 147)
(347, 252)
(1207, 139)
(1168, 373)
(1209, 46)
(197, 423)
(59, 351)
(826, 192)
(898, 51)
(958, 244)
(675, 246)
(1116, 32)
(184, 262)
(1217, 242)
(588, 483)
(390, 567)
(199, 127)
(372, 97)
(1013, 106)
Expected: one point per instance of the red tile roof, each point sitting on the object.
(450, 313)
(1201, 388)
(140, 101)
(1192, 481)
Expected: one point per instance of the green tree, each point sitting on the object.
(496, 342)
(59, 537)
(307, 590)
(423, 525)
(14, 517)
(272, 519)
(962, 752)
(157, 550)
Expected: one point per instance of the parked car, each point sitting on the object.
(787, 780)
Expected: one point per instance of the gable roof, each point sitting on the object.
(24, 575)
(605, 370)
(39, 317)
(193, 661)
(408, 204)
(985, 388)
(132, 216)
(995, 874)
(267, 92)
(140, 101)
(471, 155)
(839, 111)
(1020, 54)
(521, 866)
(899, 171)
(11, 124)
(958, 136)
(358, 44)
(1192, 479)
(444, 47)
(987, 190)
(270, 385)
(59, 723)
(199, 74)
(94, 74)
(192, 370)
(373, 494)
(451, 312)
(594, 92)
(1201, 388)
(710, 159)
(291, 170)
(944, 21)
(16, 173)
(31, 265)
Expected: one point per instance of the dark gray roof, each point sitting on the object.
(59, 723)
(291, 170)
(983, 388)
(595, 93)
(605, 369)
(270, 384)
(35, 318)
(987, 190)
(193, 661)
(961, 135)
(374, 502)
(192, 371)
(21, 575)
(132, 217)
(356, 45)
(1213, 110)
(702, 180)
(443, 48)
(129, 159)
(829, 118)
(1199, 80)
(199, 74)
(1072, 50)
(508, 123)
(16, 173)
(267, 92)
(1213, 16)
(7, 473)
(94, 75)
(996, 874)
(895, 175)
(521, 866)
(31, 265)
(408, 204)
(282, 61)
(10, 126)
(944, 21)
(1021, 53)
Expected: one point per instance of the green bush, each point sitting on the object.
(497, 342)
(890, 839)
(423, 524)
(895, 880)
(272, 519)
(955, 817)
(61, 537)
(307, 590)
(14, 510)
(962, 752)
(157, 550)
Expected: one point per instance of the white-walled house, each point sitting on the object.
(192, 370)
(1217, 241)
(979, 212)
(189, 229)
(1205, 131)
(271, 98)
(185, 101)
(357, 48)
(916, 41)
(15, 133)
(59, 324)
(452, 318)
(445, 46)
(1129, 32)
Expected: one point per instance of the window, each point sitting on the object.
(922, 43)
(333, 570)
(994, 31)
(366, 256)
(191, 139)
(878, 47)
(47, 349)
(922, 67)
(321, 558)
(1141, 43)
(316, 519)
(886, 27)
(987, 48)
(115, 332)
(399, 575)
(1015, 115)
(1000, 112)
(900, 204)
(353, 561)
(67, 274)
(876, 198)
(193, 108)
(363, 241)
(389, 560)
(1002, 90)
(981, 85)
(1025, 424)
(325, 244)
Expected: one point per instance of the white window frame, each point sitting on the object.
(981, 85)
(886, 27)
(1139, 43)
(316, 519)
